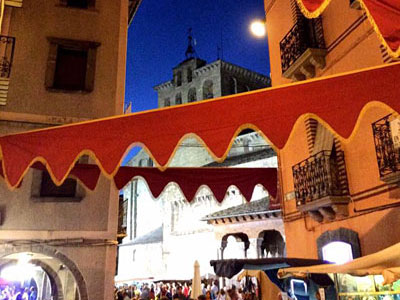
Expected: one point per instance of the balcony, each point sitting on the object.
(321, 187)
(7, 44)
(303, 49)
(387, 154)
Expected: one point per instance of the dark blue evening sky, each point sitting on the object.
(157, 40)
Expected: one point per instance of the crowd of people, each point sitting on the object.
(174, 291)
(14, 293)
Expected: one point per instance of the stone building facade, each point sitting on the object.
(194, 79)
(186, 237)
(62, 61)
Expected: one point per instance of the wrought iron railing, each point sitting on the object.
(321, 175)
(387, 156)
(303, 35)
(7, 44)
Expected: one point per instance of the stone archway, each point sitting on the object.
(63, 260)
(239, 236)
(270, 243)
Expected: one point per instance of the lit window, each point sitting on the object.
(337, 252)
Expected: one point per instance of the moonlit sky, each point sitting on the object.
(157, 41)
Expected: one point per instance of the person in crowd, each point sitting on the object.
(145, 295)
(33, 293)
(203, 289)
(214, 289)
(208, 295)
(164, 293)
(152, 293)
(201, 297)
(221, 295)
(179, 294)
(186, 290)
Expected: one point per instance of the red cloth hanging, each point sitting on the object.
(337, 101)
(188, 179)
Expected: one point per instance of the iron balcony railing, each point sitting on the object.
(319, 176)
(387, 156)
(303, 35)
(7, 44)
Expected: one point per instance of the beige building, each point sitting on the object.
(341, 40)
(169, 229)
(356, 203)
(63, 61)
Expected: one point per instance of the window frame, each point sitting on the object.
(91, 4)
(78, 45)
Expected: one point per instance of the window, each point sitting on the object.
(337, 252)
(71, 65)
(167, 102)
(189, 75)
(208, 90)
(84, 4)
(178, 99)
(44, 190)
(192, 95)
(49, 189)
(179, 78)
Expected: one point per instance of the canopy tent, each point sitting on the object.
(268, 289)
(188, 179)
(384, 16)
(336, 101)
(385, 263)
(231, 267)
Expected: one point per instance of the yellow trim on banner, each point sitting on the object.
(315, 14)
(298, 122)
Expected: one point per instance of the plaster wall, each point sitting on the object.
(38, 20)
(349, 46)
(377, 227)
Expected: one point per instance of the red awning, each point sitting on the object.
(336, 101)
(384, 16)
(188, 179)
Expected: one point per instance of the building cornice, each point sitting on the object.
(235, 69)
(164, 85)
(207, 68)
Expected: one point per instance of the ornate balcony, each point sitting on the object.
(7, 44)
(387, 155)
(303, 49)
(320, 184)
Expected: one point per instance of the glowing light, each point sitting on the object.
(257, 28)
(337, 252)
(21, 271)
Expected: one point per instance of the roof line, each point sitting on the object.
(242, 214)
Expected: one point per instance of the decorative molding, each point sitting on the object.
(38, 119)
(14, 3)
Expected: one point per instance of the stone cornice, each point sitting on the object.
(164, 85)
(207, 68)
(245, 72)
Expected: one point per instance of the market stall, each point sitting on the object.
(371, 277)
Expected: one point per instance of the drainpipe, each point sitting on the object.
(135, 209)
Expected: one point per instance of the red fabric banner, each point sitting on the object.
(188, 179)
(336, 101)
(383, 14)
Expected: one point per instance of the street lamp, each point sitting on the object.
(257, 28)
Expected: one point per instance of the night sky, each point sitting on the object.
(157, 41)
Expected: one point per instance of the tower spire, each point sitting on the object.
(190, 51)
